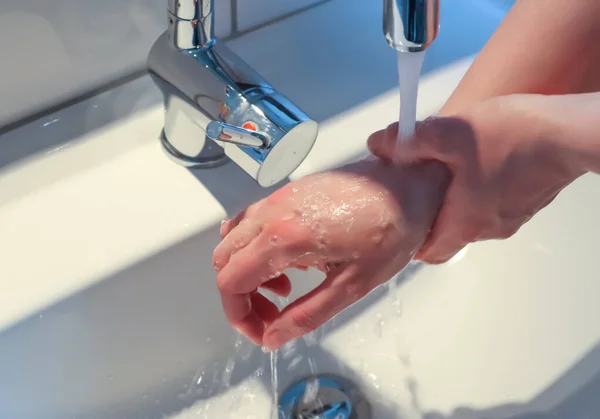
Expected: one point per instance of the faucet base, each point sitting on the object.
(215, 159)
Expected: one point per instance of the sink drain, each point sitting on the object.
(323, 397)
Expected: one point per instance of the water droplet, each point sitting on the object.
(294, 363)
(41, 316)
(379, 325)
(312, 365)
(397, 307)
(226, 378)
(377, 238)
(355, 255)
(259, 372)
(311, 338)
(54, 121)
(374, 379)
(274, 240)
(288, 350)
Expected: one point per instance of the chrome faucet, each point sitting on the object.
(411, 25)
(217, 107)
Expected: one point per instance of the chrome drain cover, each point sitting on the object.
(323, 397)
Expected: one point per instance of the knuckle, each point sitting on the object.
(475, 230)
(434, 260)
(508, 231)
(225, 284)
(304, 321)
(357, 290)
(288, 233)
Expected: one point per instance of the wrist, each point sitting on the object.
(543, 121)
(569, 125)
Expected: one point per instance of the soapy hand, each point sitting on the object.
(360, 224)
(506, 165)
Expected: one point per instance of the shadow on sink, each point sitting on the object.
(130, 345)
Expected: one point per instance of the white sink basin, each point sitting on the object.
(108, 306)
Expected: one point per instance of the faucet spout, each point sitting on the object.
(193, 23)
(411, 25)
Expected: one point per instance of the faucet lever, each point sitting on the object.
(220, 131)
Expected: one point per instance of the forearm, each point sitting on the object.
(545, 47)
(572, 124)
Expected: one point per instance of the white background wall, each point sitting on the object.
(56, 50)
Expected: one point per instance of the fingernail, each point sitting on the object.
(266, 350)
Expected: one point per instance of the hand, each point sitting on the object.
(506, 165)
(360, 224)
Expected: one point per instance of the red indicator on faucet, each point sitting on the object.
(224, 111)
(250, 126)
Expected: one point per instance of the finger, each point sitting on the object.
(230, 224)
(281, 286)
(264, 308)
(449, 140)
(425, 256)
(260, 261)
(382, 143)
(444, 241)
(238, 311)
(234, 241)
(315, 308)
(423, 146)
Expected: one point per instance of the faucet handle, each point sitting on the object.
(220, 131)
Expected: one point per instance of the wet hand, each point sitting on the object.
(360, 224)
(505, 164)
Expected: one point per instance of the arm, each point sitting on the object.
(573, 121)
(510, 156)
(544, 47)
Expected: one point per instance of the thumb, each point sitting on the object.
(382, 143)
(450, 140)
(423, 145)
